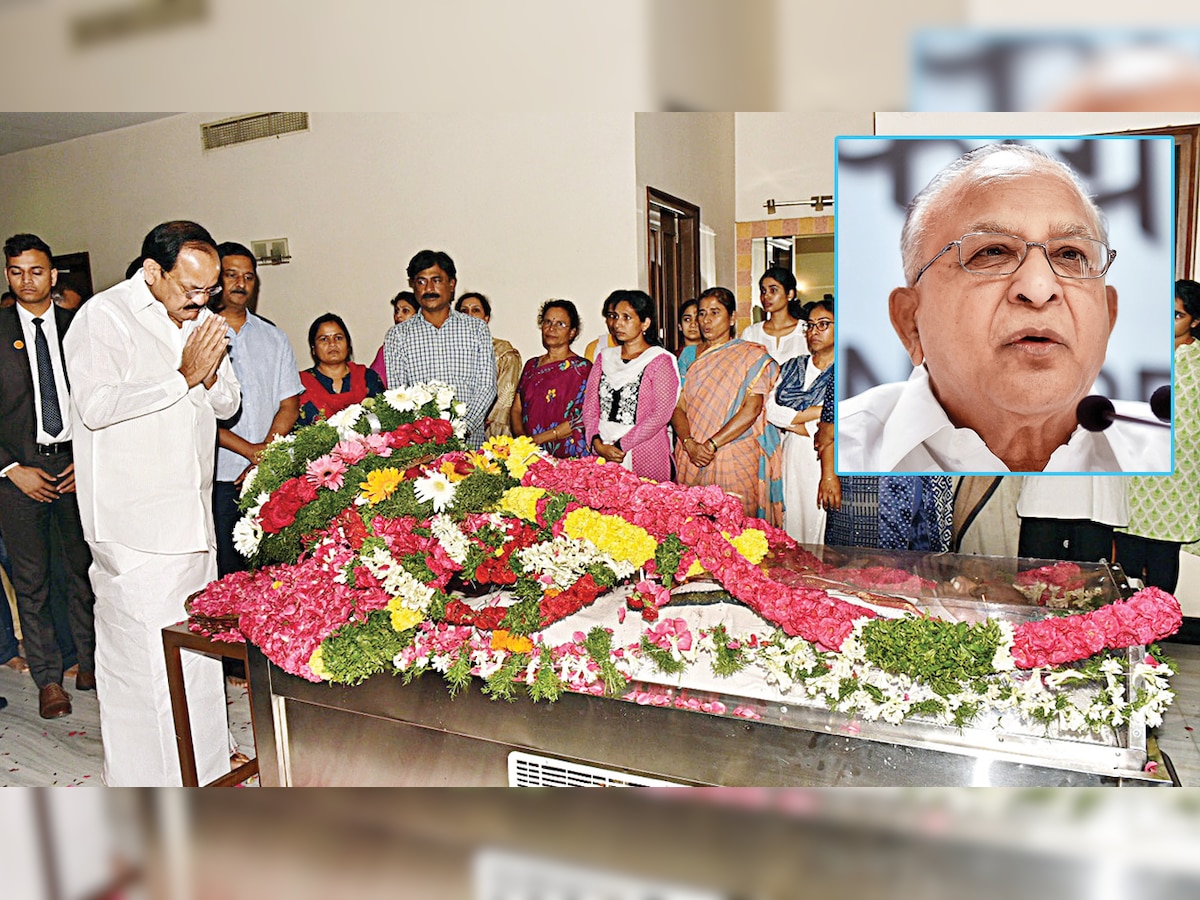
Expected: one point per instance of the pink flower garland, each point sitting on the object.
(288, 610)
(699, 515)
(1149, 615)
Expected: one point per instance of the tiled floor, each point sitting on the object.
(67, 751)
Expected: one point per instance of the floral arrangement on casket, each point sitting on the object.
(378, 544)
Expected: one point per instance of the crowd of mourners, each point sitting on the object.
(752, 413)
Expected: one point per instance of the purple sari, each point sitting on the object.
(552, 394)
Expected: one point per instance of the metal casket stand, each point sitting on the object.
(386, 733)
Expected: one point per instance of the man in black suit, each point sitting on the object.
(37, 473)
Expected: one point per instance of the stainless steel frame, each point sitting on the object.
(386, 733)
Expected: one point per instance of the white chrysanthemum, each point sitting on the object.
(248, 482)
(247, 534)
(444, 394)
(460, 409)
(400, 399)
(436, 488)
(345, 420)
(420, 393)
(450, 536)
(259, 502)
(460, 428)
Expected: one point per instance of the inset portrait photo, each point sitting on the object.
(1004, 305)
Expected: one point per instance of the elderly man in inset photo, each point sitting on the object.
(1006, 317)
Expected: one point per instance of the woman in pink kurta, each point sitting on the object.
(631, 392)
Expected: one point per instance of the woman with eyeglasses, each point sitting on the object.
(782, 331)
(723, 436)
(1164, 511)
(335, 381)
(631, 391)
(548, 407)
(795, 409)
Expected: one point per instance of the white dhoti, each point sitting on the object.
(137, 595)
(803, 520)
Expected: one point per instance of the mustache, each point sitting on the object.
(432, 295)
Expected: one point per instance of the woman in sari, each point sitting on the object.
(508, 364)
(631, 392)
(335, 381)
(548, 406)
(795, 409)
(722, 433)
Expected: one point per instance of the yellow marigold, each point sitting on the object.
(522, 501)
(751, 543)
(616, 537)
(485, 464)
(522, 452)
(695, 570)
(316, 662)
(497, 447)
(380, 484)
(403, 618)
(514, 643)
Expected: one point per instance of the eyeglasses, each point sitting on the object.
(986, 253)
(819, 325)
(549, 323)
(194, 293)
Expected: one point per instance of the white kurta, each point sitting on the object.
(144, 448)
(902, 428)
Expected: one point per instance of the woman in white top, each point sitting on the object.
(781, 333)
(795, 408)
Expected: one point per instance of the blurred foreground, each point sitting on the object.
(678, 844)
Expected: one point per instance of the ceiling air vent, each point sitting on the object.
(254, 127)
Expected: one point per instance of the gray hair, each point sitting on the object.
(916, 220)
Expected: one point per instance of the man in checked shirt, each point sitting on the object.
(443, 345)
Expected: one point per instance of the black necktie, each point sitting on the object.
(51, 414)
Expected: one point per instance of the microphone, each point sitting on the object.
(1160, 403)
(1095, 413)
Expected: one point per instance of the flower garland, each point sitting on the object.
(377, 514)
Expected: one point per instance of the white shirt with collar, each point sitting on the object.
(144, 442)
(901, 427)
(50, 329)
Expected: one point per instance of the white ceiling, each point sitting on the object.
(23, 130)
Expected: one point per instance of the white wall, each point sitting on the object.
(788, 156)
(530, 206)
(689, 156)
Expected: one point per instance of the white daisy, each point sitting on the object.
(437, 488)
(400, 399)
